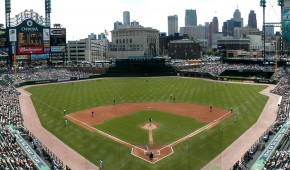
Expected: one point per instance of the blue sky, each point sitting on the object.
(93, 16)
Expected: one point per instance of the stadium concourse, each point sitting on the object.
(16, 134)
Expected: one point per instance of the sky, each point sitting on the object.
(83, 17)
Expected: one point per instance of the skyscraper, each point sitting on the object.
(172, 24)
(229, 27)
(213, 29)
(252, 21)
(269, 30)
(190, 18)
(214, 25)
(237, 17)
(126, 18)
(117, 24)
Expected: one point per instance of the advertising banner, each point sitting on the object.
(5, 50)
(30, 50)
(46, 35)
(39, 57)
(12, 48)
(46, 44)
(22, 57)
(57, 49)
(46, 50)
(57, 31)
(3, 38)
(12, 35)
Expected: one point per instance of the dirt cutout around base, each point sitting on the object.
(93, 116)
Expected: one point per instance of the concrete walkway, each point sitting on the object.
(236, 150)
(69, 157)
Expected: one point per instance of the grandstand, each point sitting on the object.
(19, 148)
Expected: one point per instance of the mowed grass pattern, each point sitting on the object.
(51, 100)
(171, 127)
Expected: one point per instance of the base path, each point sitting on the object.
(31, 121)
(236, 150)
(93, 116)
(199, 112)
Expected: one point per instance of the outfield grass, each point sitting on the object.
(171, 127)
(51, 100)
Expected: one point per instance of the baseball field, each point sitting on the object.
(121, 107)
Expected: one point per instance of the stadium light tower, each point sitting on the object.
(47, 12)
(7, 12)
(281, 4)
(263, 4)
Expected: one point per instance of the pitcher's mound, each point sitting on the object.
(149, 127)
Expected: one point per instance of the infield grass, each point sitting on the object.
(194, 153)
(171, 127)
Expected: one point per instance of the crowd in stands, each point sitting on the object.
(217, 69)
(12, 156)
(281, 158)
(46, 73)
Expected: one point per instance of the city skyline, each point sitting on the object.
(81, 19)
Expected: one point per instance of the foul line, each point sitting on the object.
(103, 133)
(169, 145)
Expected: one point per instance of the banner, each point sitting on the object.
(39, 56)
(22, 57)
(30, 50)
(57, 31)
(46, 36)
(3, 38)
(12, 35)
(57, 49)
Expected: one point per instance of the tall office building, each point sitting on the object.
(213, 29)
(252, 21)
(117, 25)
(172, 24)
(126, 18)
(237, 17)
(190, 18)
(229, 26)
(214, 25)
(92, 36)
(269, 30)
